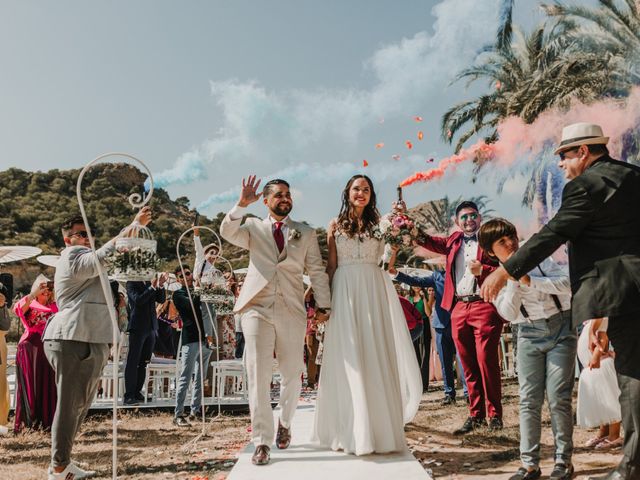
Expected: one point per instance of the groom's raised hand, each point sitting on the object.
(249, 193)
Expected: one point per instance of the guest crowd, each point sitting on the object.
(482, 283)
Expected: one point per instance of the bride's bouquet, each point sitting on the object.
(398, 228)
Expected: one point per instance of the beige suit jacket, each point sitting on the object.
(271, 274)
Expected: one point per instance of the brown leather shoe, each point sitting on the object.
(261, 455)
(283, 438)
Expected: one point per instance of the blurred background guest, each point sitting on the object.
(35, 379)
(6, 283)
(311, 341)
(143, 330)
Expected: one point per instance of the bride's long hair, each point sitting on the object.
(348, 221)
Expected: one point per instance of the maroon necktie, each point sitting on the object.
(279, 237)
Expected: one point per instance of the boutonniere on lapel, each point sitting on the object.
(294, 234)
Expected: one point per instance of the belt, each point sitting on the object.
(468, 298)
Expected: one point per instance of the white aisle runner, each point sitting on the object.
(305, 462)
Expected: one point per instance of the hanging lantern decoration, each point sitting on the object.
(215, 290)
(135, 257)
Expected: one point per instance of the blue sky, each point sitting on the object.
(208, 91)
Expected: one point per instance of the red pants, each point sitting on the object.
(476, 329)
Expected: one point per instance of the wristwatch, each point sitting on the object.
(323, 310)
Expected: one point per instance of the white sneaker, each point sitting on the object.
(71, 472)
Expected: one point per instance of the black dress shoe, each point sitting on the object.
(470, 425)
(524, 474)
(561, 471)
(495, 424)
(261, 455)
(131, 402)
(448, 400)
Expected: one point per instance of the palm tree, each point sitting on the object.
(610, 31)
(438, 215)
(557, 63)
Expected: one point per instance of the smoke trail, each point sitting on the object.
(480, 150)
(518, 140)
(189, 168)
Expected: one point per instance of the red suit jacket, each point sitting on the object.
(449, 247)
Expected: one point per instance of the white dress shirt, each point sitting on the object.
(238, 212)
(537, 298)
(464, 278)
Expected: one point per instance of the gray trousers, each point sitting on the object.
(546, 362)
(78, 366)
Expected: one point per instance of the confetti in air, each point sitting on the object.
(395, 157)
(379, 145)
(365, 163)
(417, 118)
(409, 144)
(420, 135)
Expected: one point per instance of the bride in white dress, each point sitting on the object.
(370, 383)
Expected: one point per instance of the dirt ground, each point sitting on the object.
(151, 447)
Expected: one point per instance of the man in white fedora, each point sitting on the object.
(598, 219)
(271, 304)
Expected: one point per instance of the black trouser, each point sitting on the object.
(422, 346)
(141, 344)
(624, 333)
(239, 345)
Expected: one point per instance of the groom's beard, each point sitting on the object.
(282, 210)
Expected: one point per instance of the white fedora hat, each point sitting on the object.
(581, 134)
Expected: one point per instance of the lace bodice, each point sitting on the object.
(356, 251)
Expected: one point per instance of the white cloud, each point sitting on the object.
(316, 136)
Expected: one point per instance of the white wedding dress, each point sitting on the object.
(370, 383)
(598, 389)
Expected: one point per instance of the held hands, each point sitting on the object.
(248, 194)
(321, 317)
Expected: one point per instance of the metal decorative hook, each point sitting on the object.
(136, 201)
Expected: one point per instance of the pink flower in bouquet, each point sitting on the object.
(398, 221)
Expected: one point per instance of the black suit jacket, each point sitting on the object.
(142, 304)
(599, 218)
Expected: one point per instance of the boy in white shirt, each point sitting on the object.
(540, 305)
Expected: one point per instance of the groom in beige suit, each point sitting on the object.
(271, 304)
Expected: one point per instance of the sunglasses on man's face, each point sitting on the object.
(469, 216)
(81, 233)
(186, 274)
(562, 155)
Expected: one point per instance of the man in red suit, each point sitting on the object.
(476, 326)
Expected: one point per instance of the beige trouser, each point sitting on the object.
(282, 331)
(4, 384)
